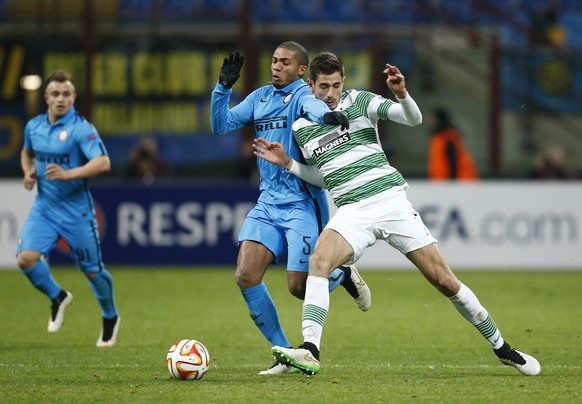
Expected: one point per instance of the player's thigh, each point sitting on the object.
(252, 262)
(302, 230)
(84, 243)
(355, 227)
(38, 233)
(399, 223)
(331, 251)
(260, 227)
(296, 283)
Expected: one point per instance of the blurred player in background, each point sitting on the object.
(371, 196)
(61, 152)
(290, 213)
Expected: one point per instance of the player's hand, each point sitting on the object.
(30, 180)
(395, 81)
(230, 71)
(273, 152)
(337, 118)
(56, 172)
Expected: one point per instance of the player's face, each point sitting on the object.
(59, 97)
(328, 88)
(285, 68)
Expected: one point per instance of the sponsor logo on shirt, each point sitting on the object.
(91, 136)
(330, 142)
(278, 122)
(53, 158)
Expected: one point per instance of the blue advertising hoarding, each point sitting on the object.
(177, 224)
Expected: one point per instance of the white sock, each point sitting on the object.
(468, 305)
(315, 308)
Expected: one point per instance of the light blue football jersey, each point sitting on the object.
(70, 143)
(272, 112)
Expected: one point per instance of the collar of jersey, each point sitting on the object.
(67, 117)
(290, 87)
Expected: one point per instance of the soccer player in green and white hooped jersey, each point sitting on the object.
(372, 205)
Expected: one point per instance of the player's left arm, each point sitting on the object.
(275, 153)
(98, 161)
(406, 111)
(97, 166)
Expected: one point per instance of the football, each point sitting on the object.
(188, 359)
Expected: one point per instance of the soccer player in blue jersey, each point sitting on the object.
(290, 213)
(61, 152)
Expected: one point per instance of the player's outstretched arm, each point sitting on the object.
(395, 81)
(406, 111)
(274, 153)
(230, 70)
(223, 119)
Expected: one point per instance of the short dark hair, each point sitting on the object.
(325, 63)
(300, 51)
(58, 75)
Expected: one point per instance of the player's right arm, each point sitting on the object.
(28, 164)
(28, 161)
(224, 119)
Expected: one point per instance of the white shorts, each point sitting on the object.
(388, 216)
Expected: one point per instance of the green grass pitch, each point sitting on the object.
(412, 346)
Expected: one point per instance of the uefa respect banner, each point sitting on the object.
(496, 225)
(484, 225)
(169, 224)
(15, 203)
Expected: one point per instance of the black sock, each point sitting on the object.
(311, 348)
(62, 295)
(347, 273)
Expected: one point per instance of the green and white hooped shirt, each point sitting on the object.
(353, 165)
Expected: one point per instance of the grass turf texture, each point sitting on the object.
(411, 346)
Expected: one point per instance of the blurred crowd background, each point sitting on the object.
(508, 74)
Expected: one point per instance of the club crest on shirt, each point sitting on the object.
(287, 98)
(63, 135)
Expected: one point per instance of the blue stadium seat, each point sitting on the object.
(224, 4)
(572, 23)
(136, 5)
(180, 5)
(342, 11)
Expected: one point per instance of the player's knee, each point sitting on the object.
(245, 279)
(297, 290)
(319, 265)
(446, 283)
(94, 272)
(27, 259)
